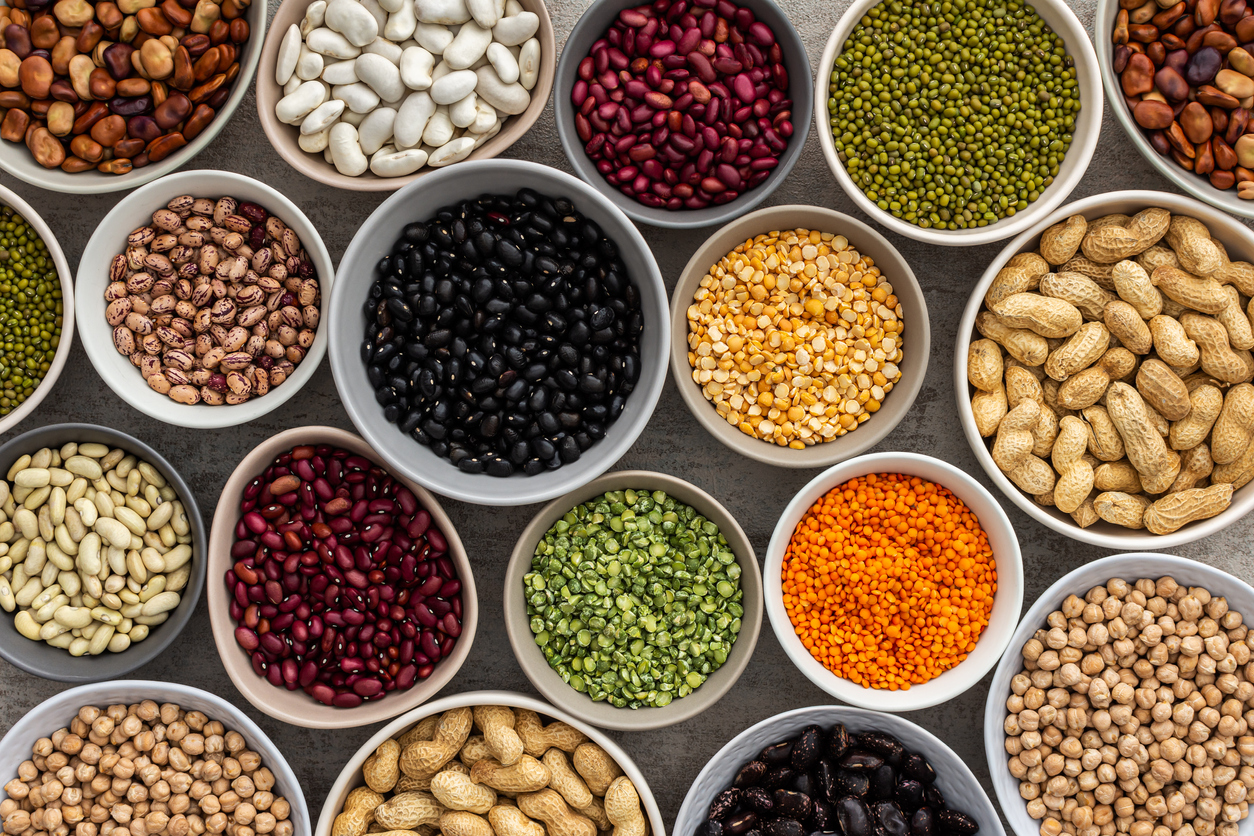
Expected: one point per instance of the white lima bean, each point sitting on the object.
(100, 556)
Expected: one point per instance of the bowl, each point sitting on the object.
(1239, 242)
(866, 240)
(602, 714)
(109, 239)
(1006, 604)
(17, 160)
(296, 707)
(1186, 181)
(56, 712)
(591, 26)
(1063, 21)
(374, 239)
(10, 198)
(953, 776)
(1130, 567)
(350, 776)
(284, 137)
(54, 663)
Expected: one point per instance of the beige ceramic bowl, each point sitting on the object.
(918, 335)
(296, 707)
(552, 686)
(283, 137)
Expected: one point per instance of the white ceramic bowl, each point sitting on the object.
(1187, 181)
(350, 776)
(961, 789)
(57, 712)
(109, 239)
(375, 239)
(10, 198)
(1239, 242)
(1006, 603)
(1063, 21)
(1130, 567)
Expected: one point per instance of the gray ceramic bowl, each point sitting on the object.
(54, 663)
(592, 26)
(551, 685)
(917, 346)
(346, 325)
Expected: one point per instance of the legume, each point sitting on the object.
(145, 768)
(31, 310)
(684, 105)
(889, 580)
(634, 598)
(835, 781)
(95, 548)
(504, 333)
(1132, 710)
(341, 585)
(795, 337)
(953, 115)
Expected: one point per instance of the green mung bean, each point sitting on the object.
(955, 114)
(634, 598)
(30, 310)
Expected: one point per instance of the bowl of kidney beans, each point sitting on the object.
(685, 113)
(342, 594)
(836, 770)
(502, 335)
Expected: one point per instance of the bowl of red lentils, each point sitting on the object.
(799, 336)
(893, 581)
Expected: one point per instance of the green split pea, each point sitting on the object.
(30, 310)
(634, 598)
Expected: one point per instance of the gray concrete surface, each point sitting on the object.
(673, 443)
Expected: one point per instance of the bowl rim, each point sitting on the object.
(757, 449)
(257, 690)
(730, 751)
(449, 481)
(66, 277)
(152, 647)
(687, 218)
(98, 183)
(953, 682)
(1005, 786)
(550, 684)
(350, 774)
(1241, 504)
(282, 136)
(1082, 146)
(1185, 181)
(104, 244)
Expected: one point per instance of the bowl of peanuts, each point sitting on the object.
(490, 762)
(100, 730)
(807, 381)
(1141, 639)
(209, 287)
(1103, 370)
(929, 546)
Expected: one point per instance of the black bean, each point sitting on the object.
(740, 824)
(780, 776)
(954, 823)
(759, 799)
(916, 768)
(852, 783)
(890, 818)
(750, 774)
(784, 827)
(792, 805)
(724, 804)
(853, 816)
(860, 761)
(837, 742)
(710, 827)
(884, 745)
(825, 775)
(934, 797)
(805, 749)
(822, 816)
(777, 754)
(923, 822)
(882, 780)
(805, 783)
(908, 794)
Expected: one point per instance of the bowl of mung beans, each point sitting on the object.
(634, 602)
(36, 309)
(958, 124)
(799, 336)
(893, 580)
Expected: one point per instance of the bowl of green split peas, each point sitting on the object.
(36, 309)
(958, 122)
(634, 602)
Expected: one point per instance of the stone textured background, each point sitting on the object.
(673, 443)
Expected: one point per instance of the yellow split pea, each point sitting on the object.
(795, 337)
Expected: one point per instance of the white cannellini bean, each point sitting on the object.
(453, 87)
(515, 29)
(352, 20)
(349, 160)
(389, 162)
(529, 64)
(322, 118)
(376, 11)
(511, 99)
(503, 61)
(309, 65)
(439, 128)
(291, 109)
(512, 7)
(376, 129)
(401, 23)
(388, 49)
(285, 65)
(486, 12)
(416, 66)
(315, 16)
(314, 143)
(336, 73)
(293, 84)
(329, 42)
(463, 112)
(359, 97)
(412, 118)
(327, 154)
(485, 117)
(432, 37)
(468, 47)
(444, 12)
(354, 119)
(381, 75)
(451, 152)
(393, 6)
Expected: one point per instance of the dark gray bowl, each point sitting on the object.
(54, 663)
(592, 25)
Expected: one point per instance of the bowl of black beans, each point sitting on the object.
(501, 334)
(836, 770)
